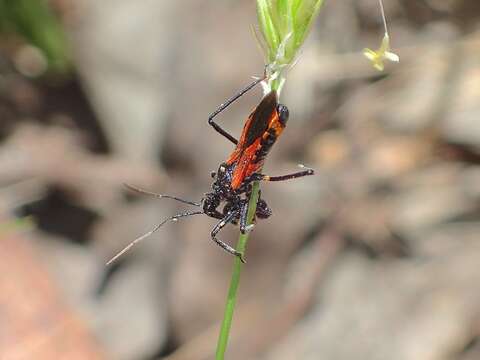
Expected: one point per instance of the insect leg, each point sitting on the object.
(227, 219)
(263, 211)
(244, 228)
(226, 104)
(137, 240)
(145, 192)
(263, 177)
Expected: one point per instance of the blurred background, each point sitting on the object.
(375, 257)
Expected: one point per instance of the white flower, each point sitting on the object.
(383, 53)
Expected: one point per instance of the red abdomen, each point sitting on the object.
(260, 132)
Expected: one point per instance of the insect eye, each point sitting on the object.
(282, 113)
(213, 174)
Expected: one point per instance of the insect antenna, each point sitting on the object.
(160, 196)
(140, 238)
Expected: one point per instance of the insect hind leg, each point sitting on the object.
(227, 104)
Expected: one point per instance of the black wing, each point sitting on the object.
(260, 118)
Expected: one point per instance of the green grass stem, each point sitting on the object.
(235, 280)
(284, 25)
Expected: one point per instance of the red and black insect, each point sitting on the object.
(232, 186)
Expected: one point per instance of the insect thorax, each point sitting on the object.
(223, 179)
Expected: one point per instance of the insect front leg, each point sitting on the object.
(262, 211)
(210, 204)
(244, 228)
(220, 225)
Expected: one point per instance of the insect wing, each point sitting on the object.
(251, 139)
(255, 126)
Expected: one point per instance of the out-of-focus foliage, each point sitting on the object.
(34, 21)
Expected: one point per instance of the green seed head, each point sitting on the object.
(284, 25)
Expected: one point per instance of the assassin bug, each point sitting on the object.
(233, 180)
